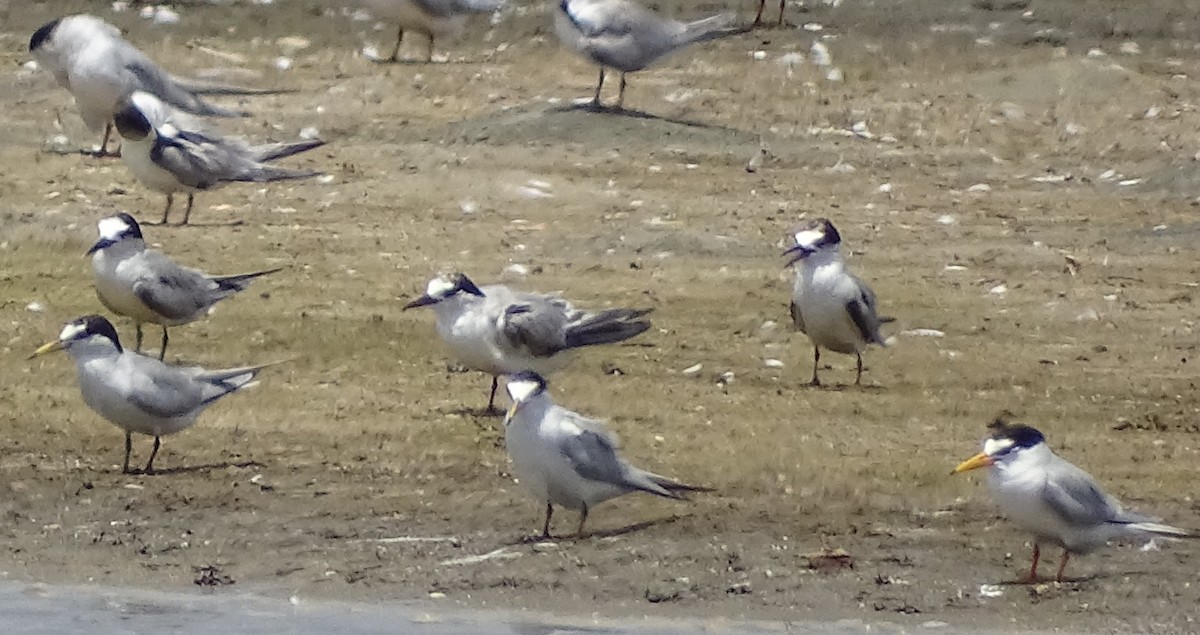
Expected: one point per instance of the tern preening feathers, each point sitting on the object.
(829, 304)
(500, 331)
(138, 393)
(145, 285)
(90, 58)
(562, 458)
(169, 158)
(624, 36)
(1052, 499)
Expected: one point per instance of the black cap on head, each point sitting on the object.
(43, 33)
(98, 325)
(134, 230)
(463, 283)
(131, 122)
(831, 235)
(1021, 435)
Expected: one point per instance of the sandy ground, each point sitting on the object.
(993, 180)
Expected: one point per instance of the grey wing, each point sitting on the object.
(863, 311)
(192, 164)
(593, 456)
(1073, 495)
(538, 326)
(447, 8)
(162, 391)
(172, 291)
(152, 79)
(797, 317)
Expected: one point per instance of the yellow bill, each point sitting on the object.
(48, 347)
(974, 463)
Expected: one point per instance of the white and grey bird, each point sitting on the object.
(832, 306)
(434, 19)
(168, 157)
(146, 286)
(90, 58)
(501, 331)
(1054, 500)
(562, 458)
(624, 36)
(138, 393)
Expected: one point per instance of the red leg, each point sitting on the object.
(1037, 554)
(1062, 566)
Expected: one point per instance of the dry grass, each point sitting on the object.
(367, 434)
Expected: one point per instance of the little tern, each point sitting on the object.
(1052, 499)
(562, 458)
(829, 304)
(168, 158)
(91, 59)
(145, 285)
(138, 393)
(625, 36)
(500, 331)
(435, 19)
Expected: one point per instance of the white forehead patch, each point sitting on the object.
(112, 227)
(523, 389)
(992, 446)
(71, 331)
(809, 237)
(439, 288)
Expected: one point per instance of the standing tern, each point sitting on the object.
(435, 19)
(563, 458)
(1054, 500)
(168, 157)
(90, 58)
(829, 304)
(625, 36)
(500, 331)
(138, 393)
(145, 285)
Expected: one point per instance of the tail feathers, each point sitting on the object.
(229, 380)
(663, 486)
(711, 28)
(273, 151)
(240, 281)
(205, 109)
(268, 173)
(201, 87)
(1160, 529)
(607, 327)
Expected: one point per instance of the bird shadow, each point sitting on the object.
(477, 413)
(1025, 582)
(187, 469)
(615, 111)
(232, 223)
(870, 388)
(593, 535)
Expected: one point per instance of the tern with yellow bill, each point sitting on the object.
(138, 393)
(1054, 500)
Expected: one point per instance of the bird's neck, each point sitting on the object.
(828, 260)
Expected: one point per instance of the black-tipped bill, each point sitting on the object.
(424, 300)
